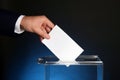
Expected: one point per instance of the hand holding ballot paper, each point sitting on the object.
(62, 46)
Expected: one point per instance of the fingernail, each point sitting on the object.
(47, 36)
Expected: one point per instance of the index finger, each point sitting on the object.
(50, 24)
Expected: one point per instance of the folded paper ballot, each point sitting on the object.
(62, 46)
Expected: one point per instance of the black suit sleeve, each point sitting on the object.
(7, 22)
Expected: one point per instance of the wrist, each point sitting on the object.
(22, 24)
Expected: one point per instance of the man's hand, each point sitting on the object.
(40, 25)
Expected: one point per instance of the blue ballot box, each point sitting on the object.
(86, 67)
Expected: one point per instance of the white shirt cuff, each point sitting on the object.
(17, 29)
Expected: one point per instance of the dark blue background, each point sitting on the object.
(93, 24)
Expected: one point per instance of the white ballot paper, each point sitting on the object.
(62, 46)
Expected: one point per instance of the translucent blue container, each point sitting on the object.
(86, 67)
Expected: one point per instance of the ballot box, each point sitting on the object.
(86, 67)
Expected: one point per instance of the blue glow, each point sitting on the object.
(31, 70)
(24, 66)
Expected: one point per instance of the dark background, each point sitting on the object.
(93, 24)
